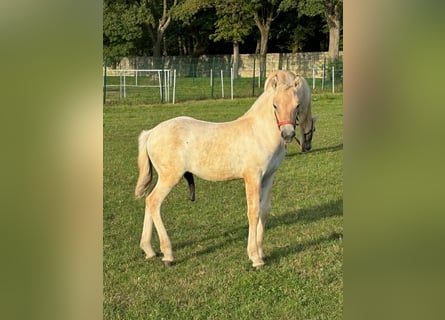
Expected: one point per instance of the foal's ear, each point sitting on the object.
(271, 81)
(274, 82)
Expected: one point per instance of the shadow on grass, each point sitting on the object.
(305, 216)
(320, 150)
(239, 234)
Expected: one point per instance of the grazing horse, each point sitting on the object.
(250, 148)
(304, 115)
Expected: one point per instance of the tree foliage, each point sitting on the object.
(234, 21)
(121, 28)
(330, 10)
(188, 27)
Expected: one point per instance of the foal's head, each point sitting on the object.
(290, 111)
(285, 104)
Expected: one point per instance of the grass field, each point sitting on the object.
(212, 277)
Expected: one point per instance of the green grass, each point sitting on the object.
(212, 277)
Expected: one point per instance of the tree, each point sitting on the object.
(124, 21)
(156, 16)
(121, 28)
(233, 24)
(332, 11)
(264, 12)
(196, 15)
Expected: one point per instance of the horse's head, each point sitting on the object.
(285, 104)
(292, 103)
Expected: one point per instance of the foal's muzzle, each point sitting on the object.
(287, 132)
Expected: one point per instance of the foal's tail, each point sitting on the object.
(145, 167)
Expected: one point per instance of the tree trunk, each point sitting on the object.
(264, 26)
(334, 36)
(164, 21)
(263, 51)
(157, 44)
(235, 59)
(332, 13)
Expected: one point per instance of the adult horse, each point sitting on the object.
(304, 118)
(251, 148)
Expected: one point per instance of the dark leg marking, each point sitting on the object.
(189, 177)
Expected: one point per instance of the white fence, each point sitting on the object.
(165, 80)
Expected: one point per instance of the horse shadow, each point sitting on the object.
(319, 150)
(239, 234)
(302, 217)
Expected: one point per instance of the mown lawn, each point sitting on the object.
(212, 277)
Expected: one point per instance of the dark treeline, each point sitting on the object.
(196, 27)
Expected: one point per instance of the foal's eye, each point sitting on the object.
(275, 106)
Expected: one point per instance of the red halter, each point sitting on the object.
(282, 123)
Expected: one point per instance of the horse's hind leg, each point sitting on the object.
(153, 208)
(147, 232)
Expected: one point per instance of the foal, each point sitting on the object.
(250, 148)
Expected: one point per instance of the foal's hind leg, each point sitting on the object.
(153, 205)
(147, 232)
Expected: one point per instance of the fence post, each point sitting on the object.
(222, 83)
(166, 86)
(324, 74)
(231, 83)
(105, 82)
(125, 87)
(174, 85)
(313, 77)
(160, 84)
(253, 78)
(211, 82)
(120, 84)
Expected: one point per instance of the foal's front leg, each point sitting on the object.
(253, 208)
(266, 186)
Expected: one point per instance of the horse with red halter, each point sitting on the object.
(251, 148)
(304, 118)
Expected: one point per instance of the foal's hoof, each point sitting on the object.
(168, 264)
(151, 255)
(258, 265)
(257, 268)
